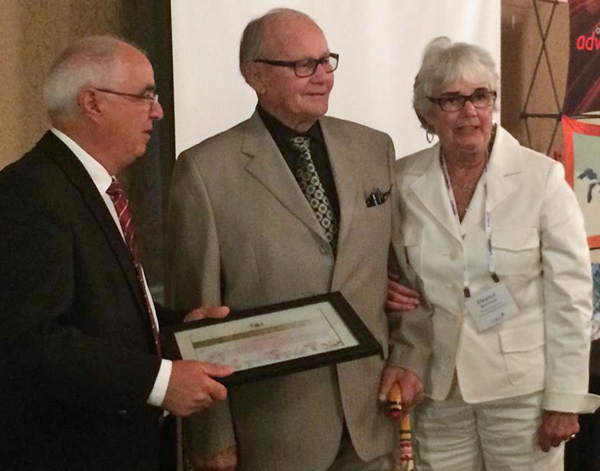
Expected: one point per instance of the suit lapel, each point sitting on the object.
(343, 168)
(430, 189)
(504, 162)
(268, 166)
(77, 174)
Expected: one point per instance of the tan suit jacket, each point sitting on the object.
(241, 233)
(540, 253)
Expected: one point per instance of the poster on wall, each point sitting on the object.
(583, 83)
(582, 171)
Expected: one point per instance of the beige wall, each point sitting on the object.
(32, 33)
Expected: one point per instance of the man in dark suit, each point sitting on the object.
(83, 384)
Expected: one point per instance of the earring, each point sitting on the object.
(429, 135)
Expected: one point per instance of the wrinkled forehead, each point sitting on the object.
(472, 74)
(464, 87)
(293, 37)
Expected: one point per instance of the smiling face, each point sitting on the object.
(296, 102)
(465, 132)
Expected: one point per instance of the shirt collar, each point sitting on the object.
(282, 133)
(97, 172)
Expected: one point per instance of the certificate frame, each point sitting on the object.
(312, 332)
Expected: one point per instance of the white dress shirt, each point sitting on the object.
(102, 179)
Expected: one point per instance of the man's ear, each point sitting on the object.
(88, 103)
(254, 75)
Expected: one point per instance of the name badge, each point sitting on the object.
(492, 307)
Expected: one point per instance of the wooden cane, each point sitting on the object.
(395, 408)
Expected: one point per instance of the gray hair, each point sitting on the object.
(251, 44)
(445, 62)
(89, 62)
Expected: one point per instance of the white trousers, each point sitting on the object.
(451, 435)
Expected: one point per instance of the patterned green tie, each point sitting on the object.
(313, 189)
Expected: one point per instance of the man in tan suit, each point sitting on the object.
(285, 205)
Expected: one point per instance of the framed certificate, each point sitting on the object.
(278, 339)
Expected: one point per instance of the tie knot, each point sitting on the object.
(115, 190)
(300, 143)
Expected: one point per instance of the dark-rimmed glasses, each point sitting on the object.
(153, 99)
(479, 98)
(307, 66)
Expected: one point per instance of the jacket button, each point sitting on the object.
(122, 412)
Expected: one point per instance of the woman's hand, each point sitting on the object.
(556, 427)
(400, 298)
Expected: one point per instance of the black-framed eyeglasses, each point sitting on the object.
(480, 98)
(153, 98)
(307, 66)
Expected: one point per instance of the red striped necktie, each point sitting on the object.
(119, 199)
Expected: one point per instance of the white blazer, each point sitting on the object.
(540, 253)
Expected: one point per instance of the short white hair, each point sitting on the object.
(89, 62)
(251, 44)
(445, 62)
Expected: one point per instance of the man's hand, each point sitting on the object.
(213, 312)
(409, 383)
(556, 427)
(191, 387)
(400, 298)
(225, 460)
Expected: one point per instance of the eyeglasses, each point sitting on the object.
(479, 98)
(153, 99)
(307, 66)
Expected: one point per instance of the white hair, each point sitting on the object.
(252, 41)
(89, 62)
(445, 62)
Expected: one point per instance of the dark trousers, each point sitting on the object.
(168, 448)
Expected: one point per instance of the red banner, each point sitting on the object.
(583, 87)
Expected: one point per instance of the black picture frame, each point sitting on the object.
(366, 344)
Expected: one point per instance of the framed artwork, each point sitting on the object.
(582, 171)
(278, 339)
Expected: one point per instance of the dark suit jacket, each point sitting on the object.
(77, 361)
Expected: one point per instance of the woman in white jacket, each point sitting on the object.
(498, 239)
